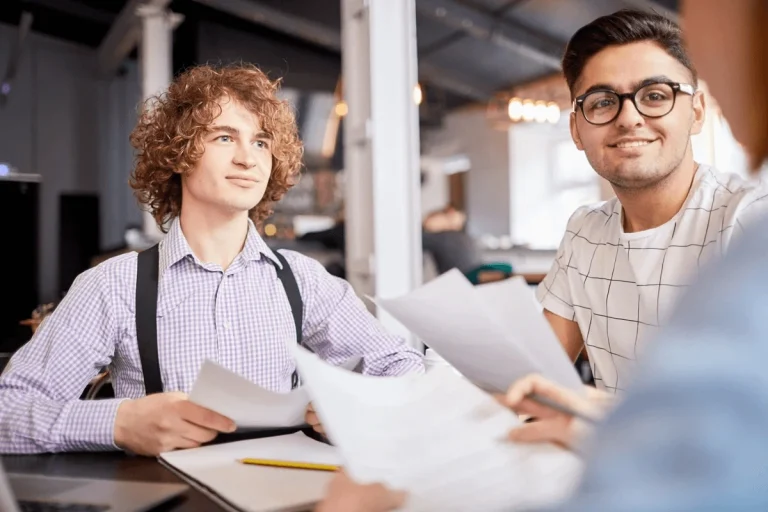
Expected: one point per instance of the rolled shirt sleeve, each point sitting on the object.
(338, 327)
(40, 389)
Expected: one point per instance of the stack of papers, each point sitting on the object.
(436, 436)
(439, 436)
(493, 334)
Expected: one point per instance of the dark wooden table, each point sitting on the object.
(119, 466)
(109, 466)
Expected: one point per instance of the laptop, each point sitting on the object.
(37, 493)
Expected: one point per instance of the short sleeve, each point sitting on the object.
(554, 292)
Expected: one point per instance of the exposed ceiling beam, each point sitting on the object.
(445, 80)
(652, 5)
(481, 25)
(123, 35)
(330, 39)
(279, 21)
(76, 9)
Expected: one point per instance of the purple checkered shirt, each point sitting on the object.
(239, 318)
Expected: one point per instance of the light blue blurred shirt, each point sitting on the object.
(692, 433)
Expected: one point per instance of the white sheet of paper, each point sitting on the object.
(513, 303)
(259, 488)
(247, 404)
(483, 334)
(436, 436)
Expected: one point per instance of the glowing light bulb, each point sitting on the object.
(418, 94)
(515, 109)
(341, 109)
(529, 110)
(553, 112)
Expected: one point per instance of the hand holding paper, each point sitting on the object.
(563, 417)
(247, 404)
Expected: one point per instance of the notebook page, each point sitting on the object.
(215, 469)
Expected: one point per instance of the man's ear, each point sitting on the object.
(575, 132)
(699, 112)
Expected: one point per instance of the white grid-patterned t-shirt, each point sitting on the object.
(620, 287)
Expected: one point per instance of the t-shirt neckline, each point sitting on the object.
(638, 235)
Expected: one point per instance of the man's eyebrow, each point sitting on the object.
(654, 80)
(635, 86)
(224, 128)
(234, 131)
(598, 87)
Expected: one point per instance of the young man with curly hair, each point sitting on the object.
(213, 155)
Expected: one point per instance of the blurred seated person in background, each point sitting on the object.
(623, 264)
(443, 236)
(214, 153)
(134, 239)
(689, 434)
(332, 238)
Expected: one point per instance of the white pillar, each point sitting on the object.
(156, 65)
(358, 177)
(381, 158)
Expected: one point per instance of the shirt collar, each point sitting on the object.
(175, 247)
(255, 246)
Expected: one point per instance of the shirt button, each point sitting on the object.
(226, 325)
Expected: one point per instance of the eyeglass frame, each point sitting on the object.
(677, 87)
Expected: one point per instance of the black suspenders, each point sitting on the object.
(146, 313)
(147, 269)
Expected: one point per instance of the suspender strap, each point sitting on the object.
(291, 287)
(146, 313)
(146, 318)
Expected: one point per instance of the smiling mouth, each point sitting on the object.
(632, 144)
(241, 178)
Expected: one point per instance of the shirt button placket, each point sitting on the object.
(222, 325)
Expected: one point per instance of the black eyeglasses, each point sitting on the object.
(651, 100)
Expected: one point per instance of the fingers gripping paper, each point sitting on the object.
(436, 436)
(247, 404)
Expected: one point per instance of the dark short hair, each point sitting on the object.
(622, 27)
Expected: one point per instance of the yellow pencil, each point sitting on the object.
(290, 464)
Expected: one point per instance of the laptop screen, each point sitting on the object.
(7, 500)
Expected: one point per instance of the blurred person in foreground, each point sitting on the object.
(690, 434)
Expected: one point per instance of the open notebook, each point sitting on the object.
(437, 436)
(215, 470)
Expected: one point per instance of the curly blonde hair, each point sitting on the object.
(169, 135)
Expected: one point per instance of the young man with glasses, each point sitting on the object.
(622, 264)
